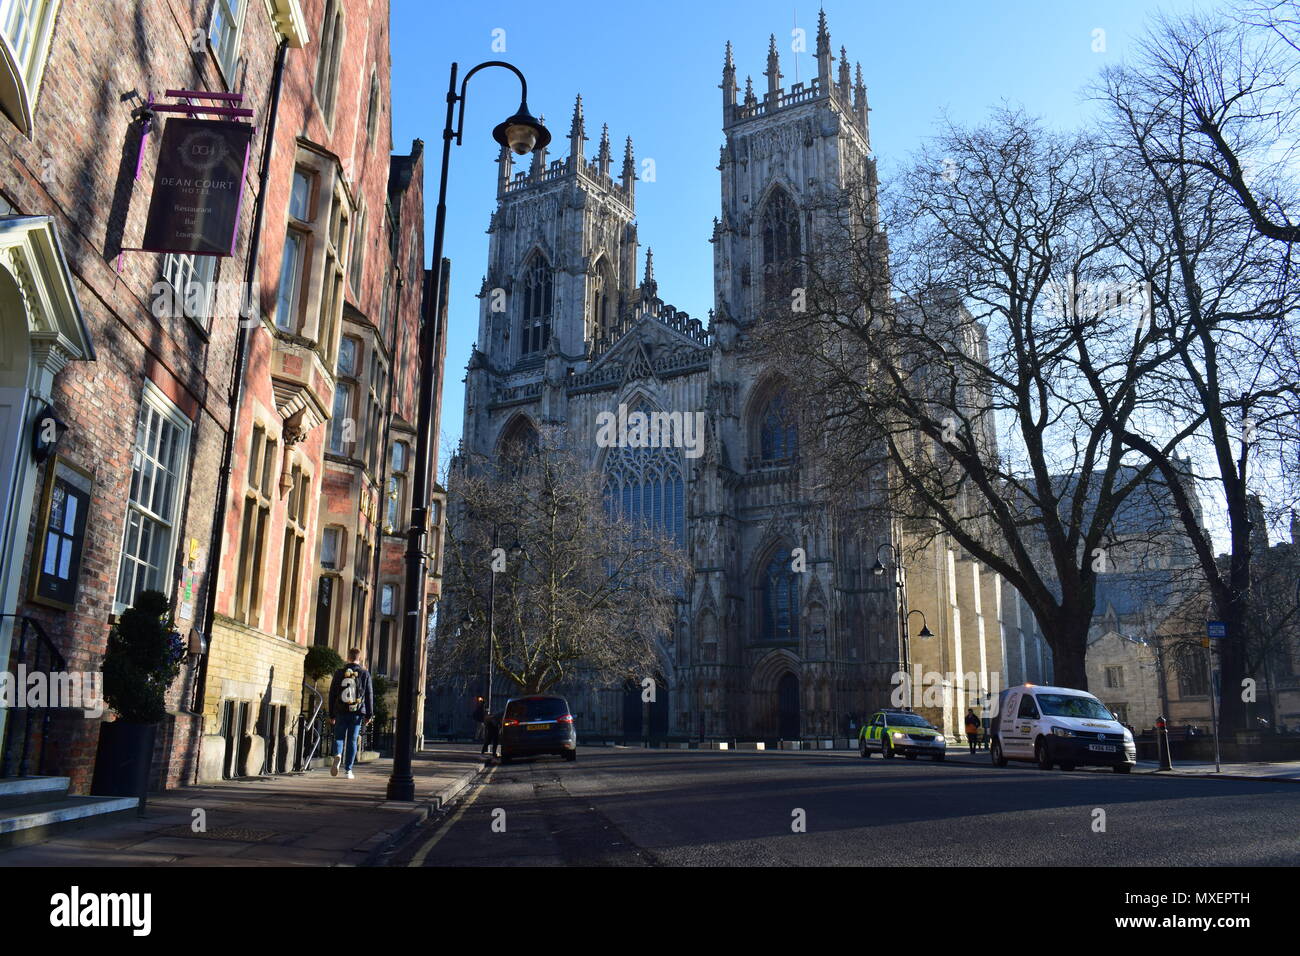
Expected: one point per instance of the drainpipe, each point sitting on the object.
(213, 570)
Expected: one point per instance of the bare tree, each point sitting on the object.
(968, 372)
(1219, 93)
(579, 592)
(1224, 293)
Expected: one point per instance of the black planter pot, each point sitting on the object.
(124, 760)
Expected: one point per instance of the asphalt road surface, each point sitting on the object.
(634, 807)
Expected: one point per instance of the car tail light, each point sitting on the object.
(566, 719)
(512, 722)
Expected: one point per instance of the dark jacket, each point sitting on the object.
(972, 723)
(364, 695)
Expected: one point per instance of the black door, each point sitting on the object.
(787, 693)
(324, 593)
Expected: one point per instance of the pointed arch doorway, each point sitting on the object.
(787, 706)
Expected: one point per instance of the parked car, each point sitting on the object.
(1059, 726)
(538, 724)
(891, 732)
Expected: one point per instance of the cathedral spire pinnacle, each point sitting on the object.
(773, 71)
(823, 52)
(749, 92)
(860, 96)
(628, 176)
(577, 132)
(603, 158)
(845, 82)
(539, 155)
(649, 284)
(728, 85)
(505, 164)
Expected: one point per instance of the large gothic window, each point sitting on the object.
(778, 435)
(538, 301)
(780, 588)
(781, 249)
(645, 485)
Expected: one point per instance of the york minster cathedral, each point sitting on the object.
(758, 650)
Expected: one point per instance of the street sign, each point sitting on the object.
(1216, 630)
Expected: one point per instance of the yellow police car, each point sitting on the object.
(891, 732)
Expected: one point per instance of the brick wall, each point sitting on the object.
(79, 167)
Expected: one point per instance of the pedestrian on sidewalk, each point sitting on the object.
(479, 715)
(972, 729)
(352, 704)
(491, 734)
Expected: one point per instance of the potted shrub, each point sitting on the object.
(143, 658)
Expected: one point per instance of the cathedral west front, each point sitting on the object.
(787, 630)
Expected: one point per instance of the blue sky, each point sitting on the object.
(651, 71)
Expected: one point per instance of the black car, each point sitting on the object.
(538, 724)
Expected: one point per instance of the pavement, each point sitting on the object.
(638, 807)
(315, 819)
(306, 819)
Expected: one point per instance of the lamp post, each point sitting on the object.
(904, 615)
(521, 133)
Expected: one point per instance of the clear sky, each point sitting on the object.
(651, 70)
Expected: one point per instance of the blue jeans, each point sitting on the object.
(347, 726)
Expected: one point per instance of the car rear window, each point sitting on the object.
(537, 708)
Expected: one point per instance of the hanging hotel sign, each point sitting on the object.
(199, 187)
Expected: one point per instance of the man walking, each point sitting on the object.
(479, 715)
(491, 734)
(972, 729)
(352, 704)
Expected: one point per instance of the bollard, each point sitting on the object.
(1162, 744)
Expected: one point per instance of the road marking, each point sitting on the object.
(418, 859)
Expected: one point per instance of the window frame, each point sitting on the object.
(241, 14)
(153, 399)
(31, 66)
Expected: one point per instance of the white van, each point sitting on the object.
(1058, 726)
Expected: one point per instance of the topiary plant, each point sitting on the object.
(143, 658)
(321, 661)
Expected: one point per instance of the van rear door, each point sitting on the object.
(1007, 721)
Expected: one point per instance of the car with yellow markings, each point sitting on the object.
(893, 732)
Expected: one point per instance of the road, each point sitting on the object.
(634, 807)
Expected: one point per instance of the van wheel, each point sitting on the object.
(1122, 767)
(1040, 755)
(995, 753)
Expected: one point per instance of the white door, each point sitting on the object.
(13, 404)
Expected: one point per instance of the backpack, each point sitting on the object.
(350, 690)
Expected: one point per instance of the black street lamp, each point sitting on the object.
(904, 615)
(521, 133)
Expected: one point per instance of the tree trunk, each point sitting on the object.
(1068, 640)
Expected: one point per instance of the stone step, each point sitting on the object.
(32, 823)
(21, 791)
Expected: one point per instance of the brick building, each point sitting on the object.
(141, 387)
(191, 444)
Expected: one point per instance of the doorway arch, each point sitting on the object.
(787, 706)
